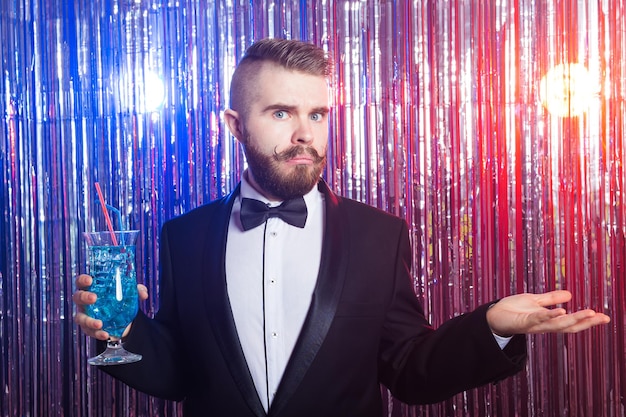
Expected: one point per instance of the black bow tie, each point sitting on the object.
(255, 212)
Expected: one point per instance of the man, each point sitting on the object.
(259, 316)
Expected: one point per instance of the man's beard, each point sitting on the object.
(266, 170)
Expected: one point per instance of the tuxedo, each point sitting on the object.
(364, 326)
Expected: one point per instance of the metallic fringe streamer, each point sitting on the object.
(440, 117)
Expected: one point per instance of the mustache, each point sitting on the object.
(294, 151)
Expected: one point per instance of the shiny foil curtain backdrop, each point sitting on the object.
(495, 128)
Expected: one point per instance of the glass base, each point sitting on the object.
(114, 354)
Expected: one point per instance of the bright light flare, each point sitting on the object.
(154, 92)
(567, 90)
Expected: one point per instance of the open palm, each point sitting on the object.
(529, 313)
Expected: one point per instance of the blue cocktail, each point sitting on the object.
(111, 261)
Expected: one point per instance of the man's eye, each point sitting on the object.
(316, 117)
(280, 114)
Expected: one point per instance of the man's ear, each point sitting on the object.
(233, 121)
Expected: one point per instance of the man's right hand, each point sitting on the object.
(92, 327)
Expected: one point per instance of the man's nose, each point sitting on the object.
(303, 133)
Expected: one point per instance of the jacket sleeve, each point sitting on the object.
(422, 365)
(161, 371)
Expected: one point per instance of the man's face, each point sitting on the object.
(285, 132)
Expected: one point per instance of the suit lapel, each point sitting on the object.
(218, 306)
(323, 304)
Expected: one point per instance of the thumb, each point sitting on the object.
(142, 290)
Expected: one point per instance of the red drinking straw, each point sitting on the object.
(106, 214)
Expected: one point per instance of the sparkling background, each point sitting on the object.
(438, 118)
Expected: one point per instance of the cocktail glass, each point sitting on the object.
(111, 263)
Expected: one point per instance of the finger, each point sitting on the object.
(127, 330)
(82, 298)
(572, 323)
(553, 298)
(96, 334)
(590, 321)
(543, 321)
(86, 322)
(91, 327)
(101, 335)
(549, 314)
(583, 324)
(143, 292)
(83, 281)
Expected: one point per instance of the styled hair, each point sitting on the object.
(290, 54)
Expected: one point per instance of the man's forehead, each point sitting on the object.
(292, 89)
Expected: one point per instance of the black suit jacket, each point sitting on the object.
(364, 326)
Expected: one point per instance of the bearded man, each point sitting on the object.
(285, 299)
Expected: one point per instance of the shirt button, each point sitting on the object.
(274, 334)
(273, 234)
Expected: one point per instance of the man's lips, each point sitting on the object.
(301, 160)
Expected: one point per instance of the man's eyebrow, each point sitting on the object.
(291, 108)
(322, 109)
(279, 106)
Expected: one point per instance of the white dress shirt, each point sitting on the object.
(271, 272)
